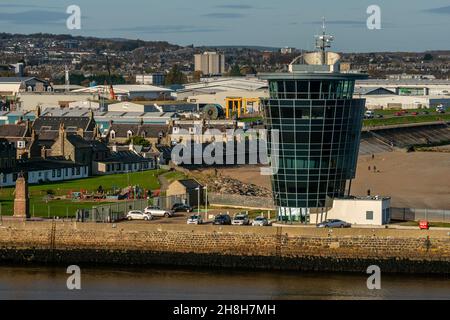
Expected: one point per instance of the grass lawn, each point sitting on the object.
(174, 175)
(253, 119)
(405, 120)
(38, 205)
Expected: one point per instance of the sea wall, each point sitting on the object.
(275, 248)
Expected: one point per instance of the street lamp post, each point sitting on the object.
(206, 203)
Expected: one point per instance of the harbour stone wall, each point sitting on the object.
(275, 248)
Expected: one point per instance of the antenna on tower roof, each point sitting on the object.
(323, 42)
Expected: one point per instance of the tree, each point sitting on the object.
(235, 71)
(249, 70)
(138, 141)
(175, 76)
(428, 57)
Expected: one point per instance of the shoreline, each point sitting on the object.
(242, 248)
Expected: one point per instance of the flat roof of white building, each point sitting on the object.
(403, 82)
(227, 84)
(125, 88)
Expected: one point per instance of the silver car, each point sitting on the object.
(157, 212)
(195, 219)
(261, 222)
(241, 220)
(334, 223)
(138, 215)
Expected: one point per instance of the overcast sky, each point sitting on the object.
(407, 25)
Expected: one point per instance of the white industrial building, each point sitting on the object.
(29, 101)
(374, 211)
(217, 90)
(156, 79)
(403, 94)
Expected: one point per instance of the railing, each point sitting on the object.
(414, 214)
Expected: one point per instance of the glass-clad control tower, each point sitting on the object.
(319, 125)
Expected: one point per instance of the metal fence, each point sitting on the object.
(413, 214)
(110, 212)
(245, 202)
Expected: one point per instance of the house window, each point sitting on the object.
(20, 144)
(369, 215)
(78, 171)
(53, 173)
(59, 173)
(4, 178)
(73, 171)
(129, 134)
(112, 135)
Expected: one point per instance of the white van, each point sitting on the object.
(369, 114)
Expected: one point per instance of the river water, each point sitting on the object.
(49, 283)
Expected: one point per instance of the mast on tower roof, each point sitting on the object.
(323, 42)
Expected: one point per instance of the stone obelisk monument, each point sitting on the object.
(21, 200)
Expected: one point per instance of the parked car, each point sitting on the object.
(398, 114)
(424, 225)
(414, 113)
(369, 114)
(379, 116)
(139, 215)
(241, 220)
(441, 109)
(222, 219)
(181, 207)
(157, 212)
(195, 219)
(260, 222)
(334, 223)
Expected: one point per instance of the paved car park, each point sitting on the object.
(182, 217)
